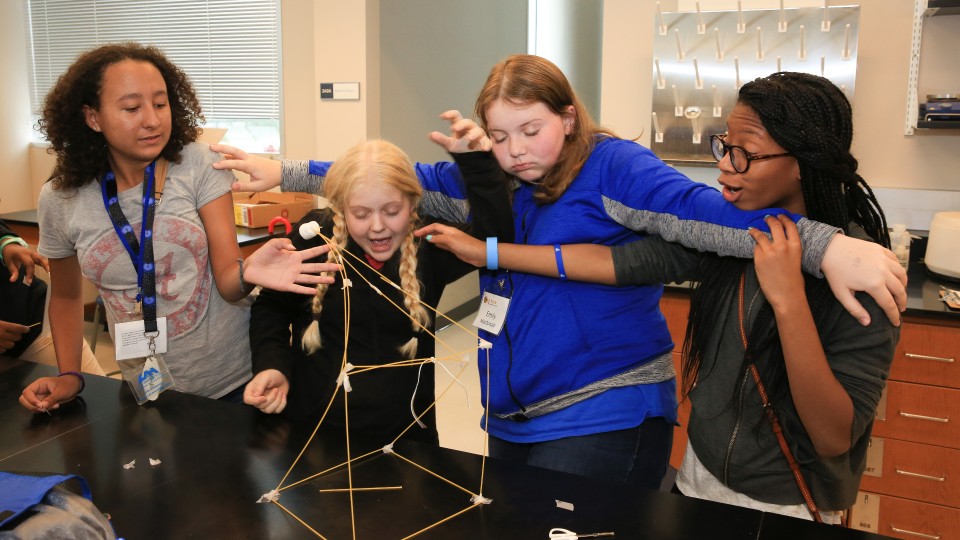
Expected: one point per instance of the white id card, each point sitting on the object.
(131, 343)
(492, 313)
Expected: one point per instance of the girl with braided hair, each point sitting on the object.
(788, 146)
(373, 195)
(581, 376)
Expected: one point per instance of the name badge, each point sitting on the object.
(492, 313)
(131, 343)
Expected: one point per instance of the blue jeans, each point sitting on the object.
(636, 456)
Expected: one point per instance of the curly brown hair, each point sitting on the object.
(81, 152)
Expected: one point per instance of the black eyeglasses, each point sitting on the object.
(739, 157)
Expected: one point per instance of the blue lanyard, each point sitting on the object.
(140, 251)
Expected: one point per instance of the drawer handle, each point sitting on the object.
(921, 535)
(925, 357)
(923, 476)
(922, 417)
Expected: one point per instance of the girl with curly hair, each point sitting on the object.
(114, 119)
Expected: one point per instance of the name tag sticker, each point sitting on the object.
(131, 343)
(492, 313)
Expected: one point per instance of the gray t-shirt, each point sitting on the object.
(208, 352)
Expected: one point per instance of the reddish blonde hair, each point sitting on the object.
(524, 79)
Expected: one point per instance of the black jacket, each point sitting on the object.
(21, 304)
(379, 403)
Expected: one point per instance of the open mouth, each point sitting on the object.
(380, 244)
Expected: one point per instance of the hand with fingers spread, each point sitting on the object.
(267, 391)
(278, 265)
(264, 173)
(465, 135)
(467, 248)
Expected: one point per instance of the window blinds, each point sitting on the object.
(229, 48)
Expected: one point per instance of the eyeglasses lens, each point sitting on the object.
(738, 156)
(716, 146)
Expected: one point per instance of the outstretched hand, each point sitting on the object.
(466, 248)
(279, 266)
(856, 265)
(264, 173)
(465, 135)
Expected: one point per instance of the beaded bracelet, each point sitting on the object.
(77, 374)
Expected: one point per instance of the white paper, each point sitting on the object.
(131, 343)
(492, 312)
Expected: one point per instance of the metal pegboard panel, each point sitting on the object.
(913, 75)
(701, 59)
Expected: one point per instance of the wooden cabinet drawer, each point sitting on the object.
(675, 307)
(929, 354)
(913, 412)
(902, 518)
(912, 470)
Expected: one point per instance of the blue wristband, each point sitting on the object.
(492, 255)
(559, 256)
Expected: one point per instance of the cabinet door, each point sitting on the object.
(914, 412)
(903, 518)
(675, 307)
(915, 471)
(928, 354)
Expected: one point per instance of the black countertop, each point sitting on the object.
(923, 294)
(217, 459)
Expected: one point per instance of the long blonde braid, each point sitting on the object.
(311, 337)
(382, 162)
(411, 287)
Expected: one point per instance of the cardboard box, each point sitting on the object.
(257, 209)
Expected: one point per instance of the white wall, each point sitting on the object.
(16, 189)
(435, 56)
(569, 33)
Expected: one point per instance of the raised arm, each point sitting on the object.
(444, 195)
(649, 196)
(264, 173)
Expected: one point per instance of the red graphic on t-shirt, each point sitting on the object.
(183, 278)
